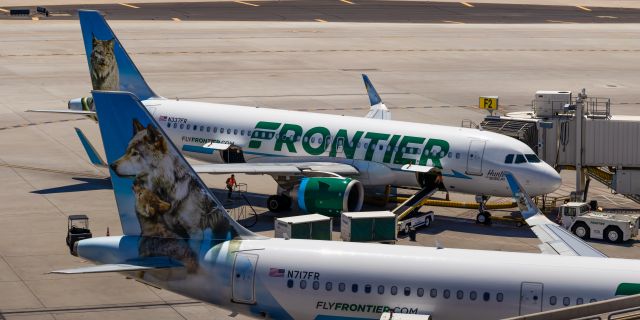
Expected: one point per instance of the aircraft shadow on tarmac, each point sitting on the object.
(88, 184)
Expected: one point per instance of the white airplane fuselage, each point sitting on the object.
(288, 279)
(470, 161)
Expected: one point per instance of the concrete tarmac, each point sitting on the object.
(349, 11)
(424, 72)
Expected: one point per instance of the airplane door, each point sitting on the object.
(530, 297)
(244, 272)
(474, 158)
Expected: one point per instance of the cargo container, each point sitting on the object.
(310, 226)
(376, 226)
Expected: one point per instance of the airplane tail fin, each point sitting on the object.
(110, 66)
(157, 192)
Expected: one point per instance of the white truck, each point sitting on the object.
(584, 223)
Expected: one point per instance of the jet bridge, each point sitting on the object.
(579, 133)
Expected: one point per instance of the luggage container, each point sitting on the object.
(310, 226)
(372, 226)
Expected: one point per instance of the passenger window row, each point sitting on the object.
(521, 158)
(566, 301)
(394, 290)
(183, 126)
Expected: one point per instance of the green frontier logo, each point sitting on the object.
(289, 134)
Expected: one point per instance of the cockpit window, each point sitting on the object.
(508, 158)
(532, 158)
(520, 159)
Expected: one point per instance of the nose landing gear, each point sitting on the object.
(483, 216)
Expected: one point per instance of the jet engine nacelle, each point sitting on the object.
(81, 104)
(329, 195)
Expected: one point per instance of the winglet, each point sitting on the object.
(93, 155)
(374, 97)
(527, 207)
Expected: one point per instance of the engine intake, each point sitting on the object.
(329, 195)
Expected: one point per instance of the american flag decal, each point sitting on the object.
(163, 118)
(276, 273)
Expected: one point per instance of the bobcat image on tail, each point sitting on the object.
(170, 207)
(104, 67)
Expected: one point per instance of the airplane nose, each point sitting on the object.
(552, 180)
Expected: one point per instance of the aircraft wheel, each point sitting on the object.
(483, 218)
(286, 202)
(274, 203)
(613, 234)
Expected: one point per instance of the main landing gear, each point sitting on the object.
(278, 203)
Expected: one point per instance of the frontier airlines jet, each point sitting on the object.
(309, 152)
(179, 237)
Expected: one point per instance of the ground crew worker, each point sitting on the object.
(231, 183)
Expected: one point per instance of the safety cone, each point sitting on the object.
(108, 232)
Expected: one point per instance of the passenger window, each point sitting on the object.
(579, 301)
(460, 294)
(420, 292)
(168, 124)
(508, 158)
(367, 288)
(566, 301)
(381, 147)
(201, 128)
(290, 283)
(433, 293)
(175, 125)
(182, 126)
(316, 285)
(341, 286)
(457, 155)
(394, 290)
(188, 127)
(195, 128)
(407, 291)
(313, 139)
(380, 289)
(441, 154)
(328, 286)
(473, 295)
(221, 130)
(446, 293)
(366, 145)
(242, 132)
(215, 129)
(499, 296)
(450, 155)
(320, 140)
(249, 133)
(303, 284)
(553, 300)
(486, 296)
(354, 288)
(592, 300)
(208, 129)
(520, 159)
(532, 158)
(228, 131)
(235, 132)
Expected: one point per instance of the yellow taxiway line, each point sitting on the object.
(467, 4)
(583, 8)
(320, 20)
(247, 3)
(129, 5)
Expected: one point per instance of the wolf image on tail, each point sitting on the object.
(104, 66)
(170, 207)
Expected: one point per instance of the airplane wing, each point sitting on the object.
(555, 239)
(143, 264)
(272, 168)
(78, 112)
(378, 110)
(286, 168)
